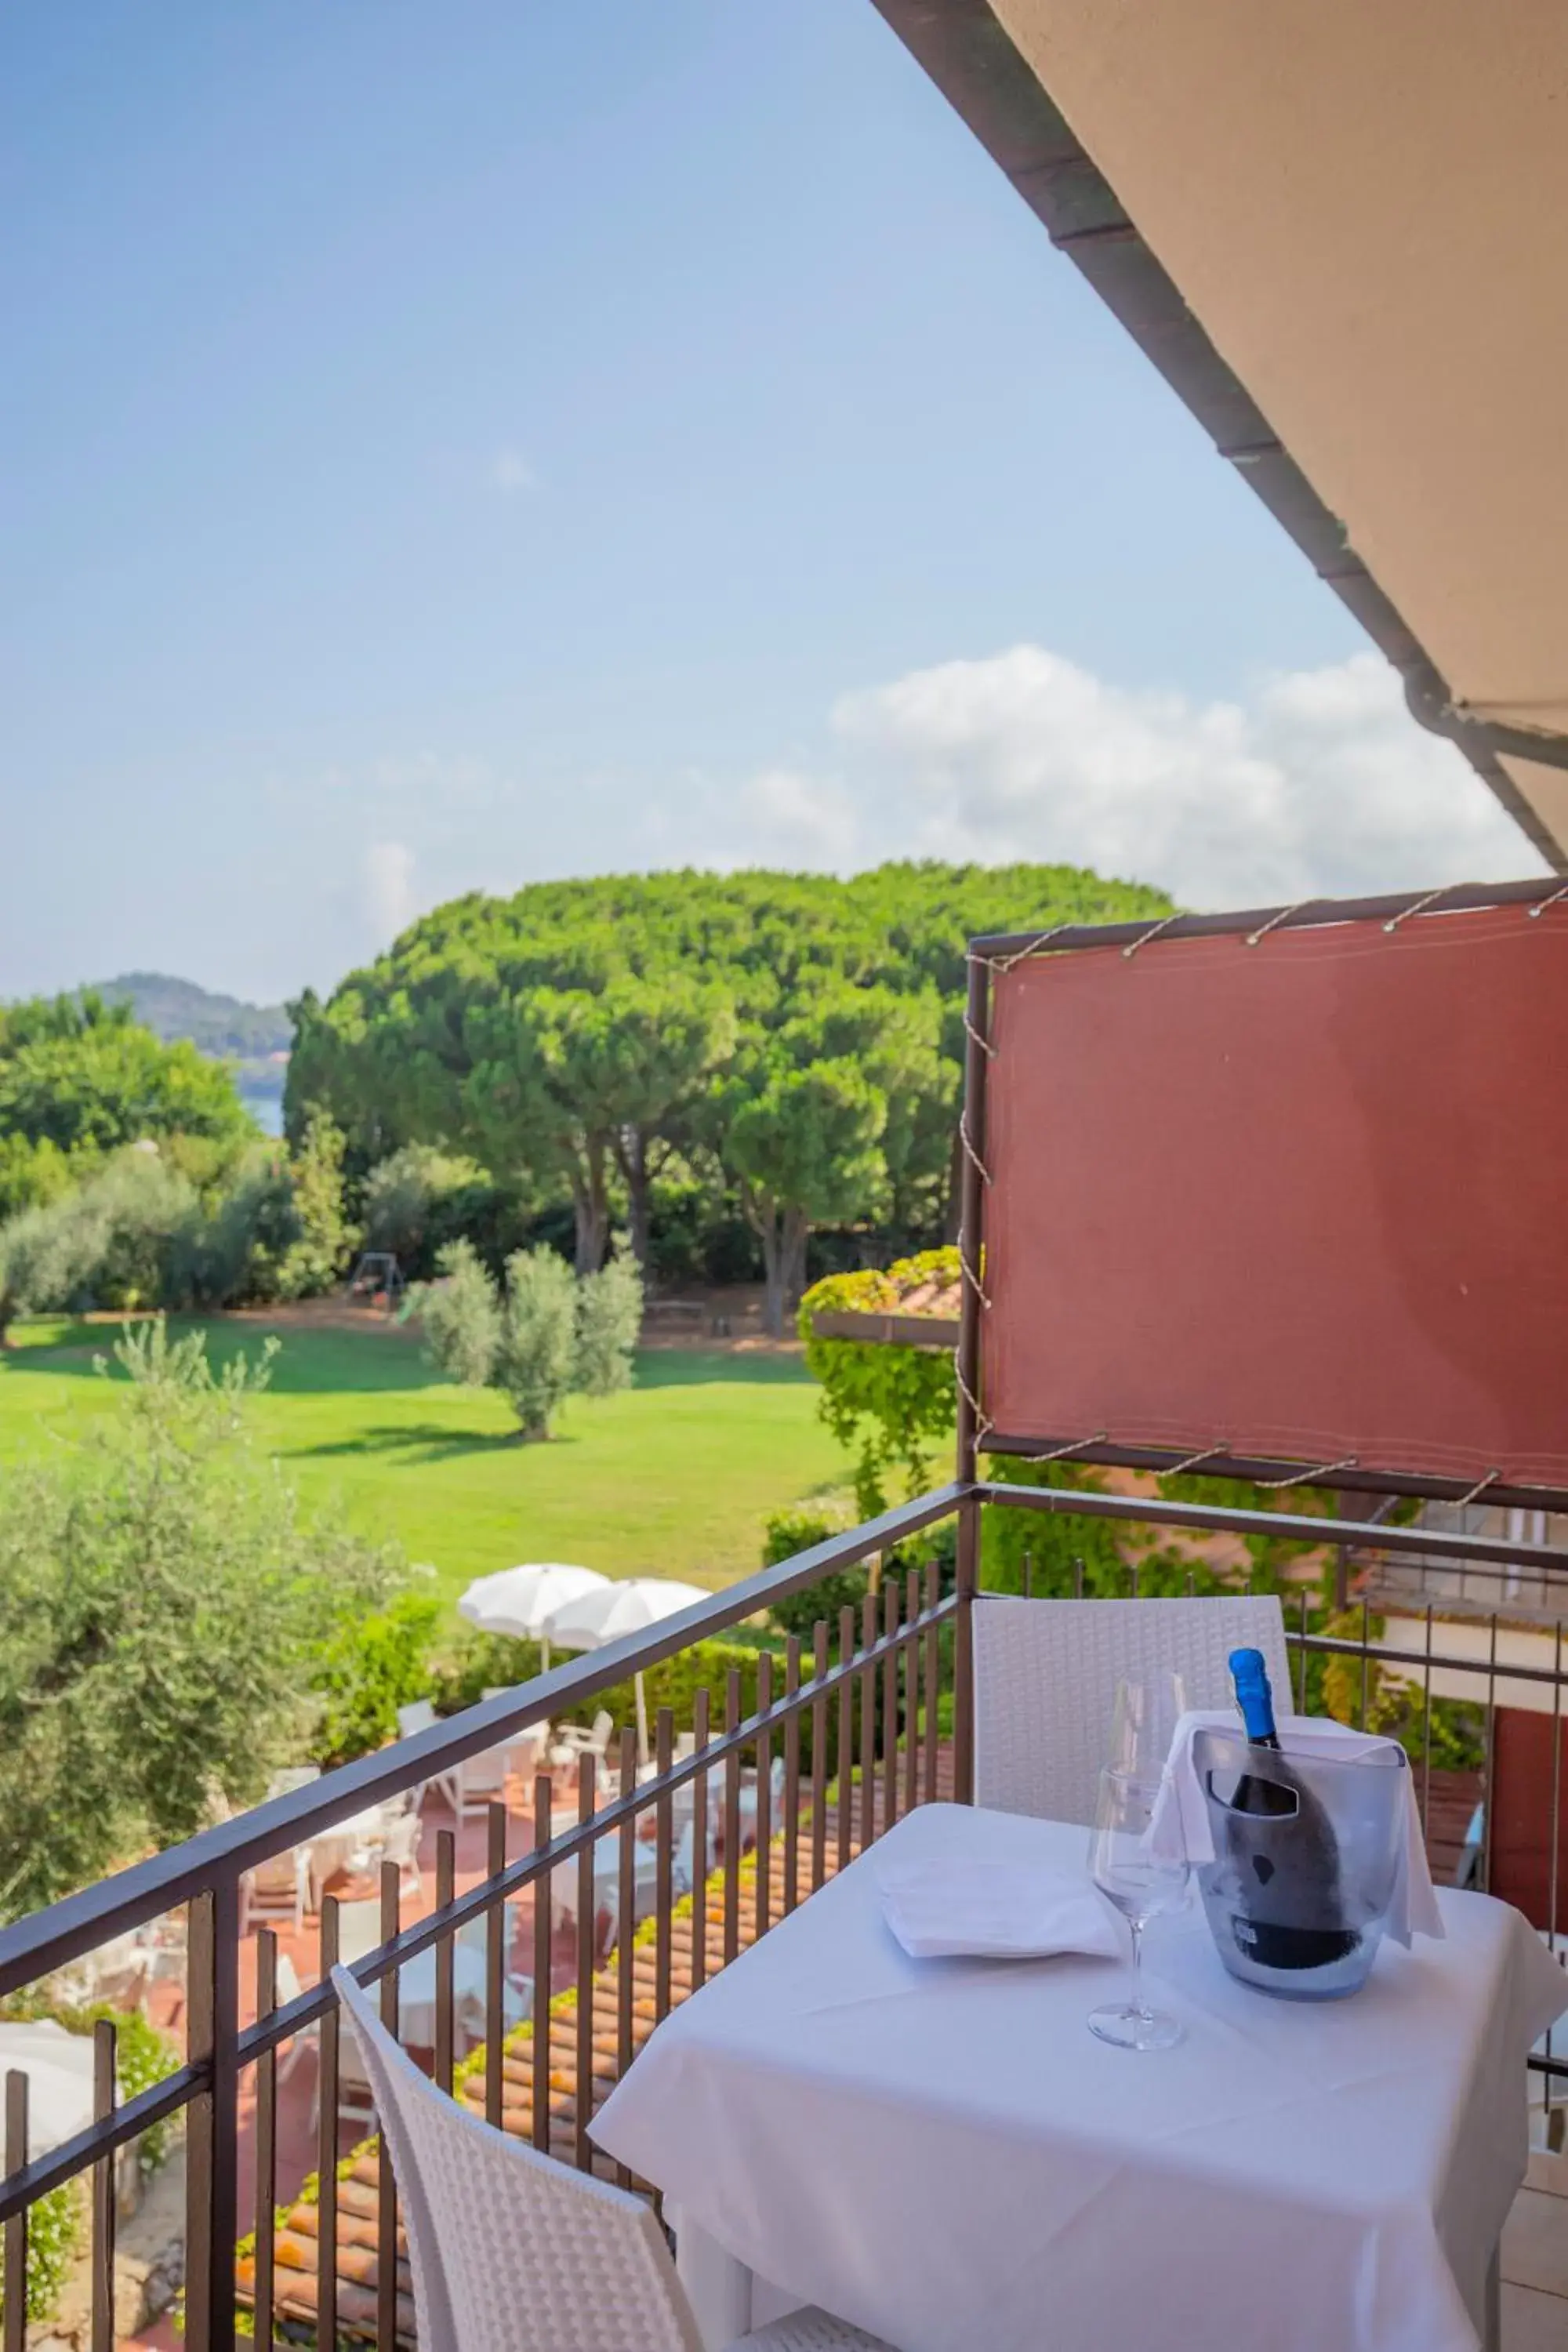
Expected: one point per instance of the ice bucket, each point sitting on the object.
(1306, 1852)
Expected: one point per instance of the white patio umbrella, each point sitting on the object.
(60, 2068)
(595, 1619)
(520, 1601)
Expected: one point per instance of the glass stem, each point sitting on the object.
(1137, 2003)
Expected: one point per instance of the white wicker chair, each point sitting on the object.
(1045, 1684)
(512, 2251)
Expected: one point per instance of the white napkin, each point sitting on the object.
(1181, 1821)
(956, 1905)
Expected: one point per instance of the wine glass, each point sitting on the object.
(1142, 1884)
(1143, 1723)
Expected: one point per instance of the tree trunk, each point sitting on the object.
(631, 1156)
(591, 1203)
(796, 1229)
(762, 1213)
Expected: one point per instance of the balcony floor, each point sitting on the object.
(1535, 2261)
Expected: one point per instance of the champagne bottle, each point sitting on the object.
(1282, 1846)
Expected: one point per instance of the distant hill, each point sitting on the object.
(218, 1025)
(255, 1037)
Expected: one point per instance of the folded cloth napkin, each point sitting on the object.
(1181, 1821)
(993, 1910)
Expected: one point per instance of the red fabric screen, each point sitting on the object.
(1307, 1198)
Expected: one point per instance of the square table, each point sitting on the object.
(941, 2152)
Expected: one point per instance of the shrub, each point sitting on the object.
(145, 1208)
(609, 1317)
(419, 1200)
(486, 1661)
(888, 1406)
(234, 1250)
(548, 1334)
(47, 1255)
(166, 1603)
(789, 1532)
(323, 1237)
(33, 1173)
(460, 1318)
(371, 1667)
(56, 2232)
(537, 1361)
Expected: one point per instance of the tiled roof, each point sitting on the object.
(298, 2242)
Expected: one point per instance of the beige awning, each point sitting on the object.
(1341, 228)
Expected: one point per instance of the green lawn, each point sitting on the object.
(674, 1478)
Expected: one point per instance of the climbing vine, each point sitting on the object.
(887, 1406)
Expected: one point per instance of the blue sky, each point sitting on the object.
(444, 448)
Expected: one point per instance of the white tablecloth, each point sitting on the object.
(941, 2151)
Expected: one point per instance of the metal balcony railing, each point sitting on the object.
(779, 1781)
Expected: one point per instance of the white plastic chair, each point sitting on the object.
(572, 1741)
(480, 1781)
(606, 1888)
(401, 1845)
(512, 2251)
(277, 1888)
(1045, 1684)
(419, 1714)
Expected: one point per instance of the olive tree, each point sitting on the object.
(165, 1603)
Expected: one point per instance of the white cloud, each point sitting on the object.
(1317, 783)
(791, 819)
(512, 474)
(387, 884)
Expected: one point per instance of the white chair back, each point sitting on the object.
(1045, 1684)
(509, 2251)
(400, 1842)
(358, 1927)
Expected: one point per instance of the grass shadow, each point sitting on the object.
(421, 1441)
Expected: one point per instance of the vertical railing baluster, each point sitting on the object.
(819, 1754)
(104, 2040)
(890, 1704)
(1301, 1655)
(933, 1685)
(385, 2185)
(587, 1929)
(1556, 1831)
(764, 1766)
(866, 1678)
(212, 2032)
(266, 2138)
(1556, 1779)
(543, 1909)
(702, 1713)
(792, 1774)
(446, 1986)
(846, 1774)
(15, 2230)
(1365, 1667)
(732, 1816)
(1490, 1766)
(1426, 1729)
(663, 1875)
(911, 1693)
(968, 1584)
(328, 2034)
(626, 1909)
(495, 1969)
